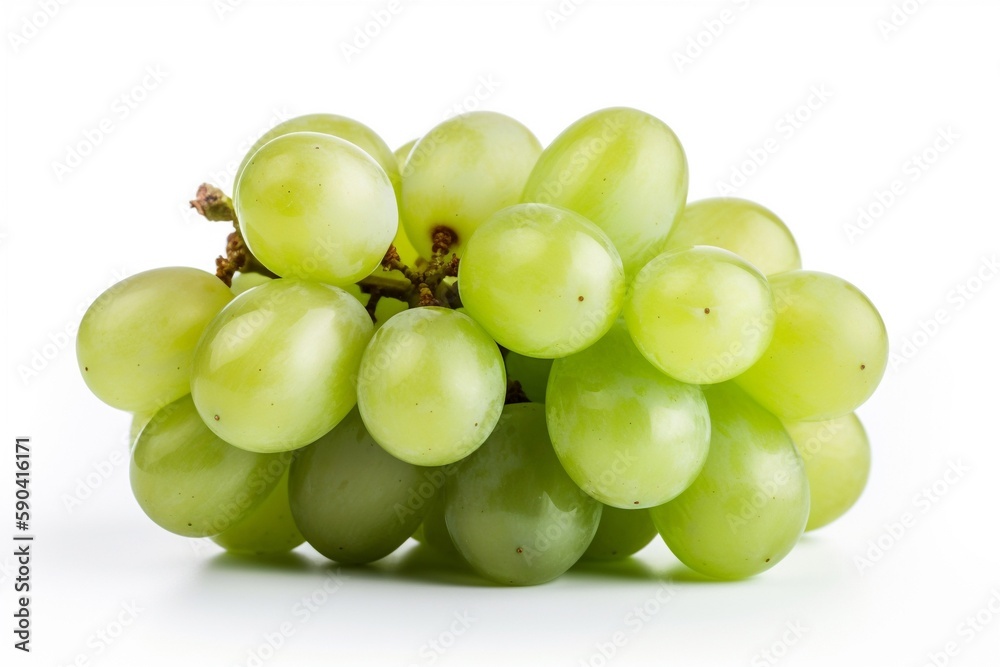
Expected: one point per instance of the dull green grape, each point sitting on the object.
(267, 529)
(620, 534)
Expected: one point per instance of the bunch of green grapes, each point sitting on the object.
(520, 356)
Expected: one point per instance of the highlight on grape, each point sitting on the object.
(521, 356)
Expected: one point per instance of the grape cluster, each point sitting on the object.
(519, 356)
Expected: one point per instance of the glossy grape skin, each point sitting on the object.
(345, 128)
(828, 352)
(192, 483)
(243, 282)
(139, 421)
(351, 500)
(627, 434)
(531, 373)
(511, 510)
(267, 529)
(744, 227)
(837, 457)
(701, 314)
(431, 386)
(623, 170)
(317, 207)
(749, 506)
(137, 340)
(543, 281)
(277, 368)
(403, 152)
(462, 172)
(620, 534)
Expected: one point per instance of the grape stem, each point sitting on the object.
(423, 287)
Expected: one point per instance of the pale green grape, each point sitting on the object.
(838, 458)
(543, 281)
(384, 309)
(748, 507)
(828, 352)
(463, 171)
(702, 315)
(345, 128)
(276, 369)
(354, 502)
(268, 529)
(622, 169)
(512, 511)
(627, 434)
(192, 483)
(620, 534)
(532, 373)
(740, 226)
(317, 207)
(139, 421)
(431, 386)
(247, 281)
(137, 340)
(403, 152)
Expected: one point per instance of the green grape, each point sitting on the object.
(543, 281)
(431, 386)
(532, 373)
(701, 315)
(317, 207)
(403, 152)
(622, 169)
(137, 340)
(627, 434)
(277, 368)
(246, 281)
(353, 501)
(384, 309)
(837, 458)
(267, 529)
(192, 483)
(740, 226)
(462, 172)
(749, 505)
(345, 128)
(620, 534)
(512, 511)
(434, 531)
(828, 352)
(139, 421)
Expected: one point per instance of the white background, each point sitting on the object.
(226, 71)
